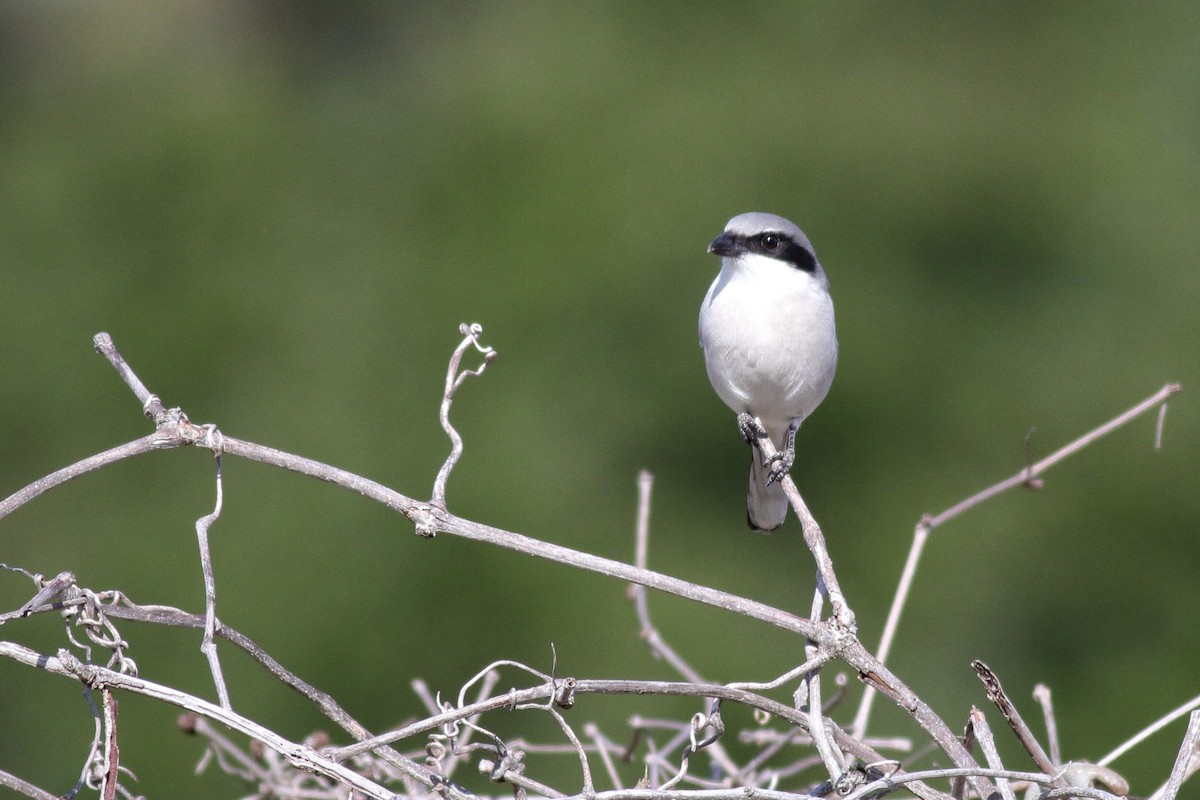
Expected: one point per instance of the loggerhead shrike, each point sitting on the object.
(766, 328)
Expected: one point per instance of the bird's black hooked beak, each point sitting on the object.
(726, 245)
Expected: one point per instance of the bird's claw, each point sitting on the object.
(779, 465)
(751, 429)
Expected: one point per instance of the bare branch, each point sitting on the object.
(881, 785)
(1028, 476)
(1041, 693)
(112, 753)
(9, 781)
(301, 756)
(44, 484)
(982, 733)
(650, 633)
(838, 641)
(1036, 470)
(1149, 730)
(152, 407)
(815, 663)
(605, 748)
(582, 686)
(809, 694)
(997, 695)
(163, 615)
(1185, 762)
(179, 434)
(827, 640)
(208, 646)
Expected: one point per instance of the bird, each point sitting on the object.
(770, 345)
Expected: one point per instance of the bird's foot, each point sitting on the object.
(779, 465)
(750, 428)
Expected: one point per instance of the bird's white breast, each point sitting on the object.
(767, 330)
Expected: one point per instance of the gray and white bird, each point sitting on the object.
(766, 327)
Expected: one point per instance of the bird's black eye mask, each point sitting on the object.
(782, 247)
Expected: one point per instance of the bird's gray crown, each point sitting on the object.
(769, 235)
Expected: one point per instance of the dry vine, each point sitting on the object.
(427, 755)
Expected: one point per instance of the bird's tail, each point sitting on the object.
(766, 506)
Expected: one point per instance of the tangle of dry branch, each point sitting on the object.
(378, 766)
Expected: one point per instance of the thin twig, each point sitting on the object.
(151, 405)
(163, 615)
(223, 748)
(1149, 730)
(987, 743)
(1027, 476)
(649, 632)
(1076, 792)
(486, 684)
(1041, 693)
(487, 767)
(816, 662)
(878, 787)
(9, 781)
(421, 689)
(997, 695)
(209, 646)
(958, 786)
(1184, 762)
(589, 787)
(44, 484)
(605, 749)
(1034, 471)
(920, 536)
(95, 752)
(810, 694)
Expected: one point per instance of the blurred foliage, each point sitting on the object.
(281, 212)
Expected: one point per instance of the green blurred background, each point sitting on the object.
(282, 212)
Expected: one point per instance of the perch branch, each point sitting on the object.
(813, 538)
